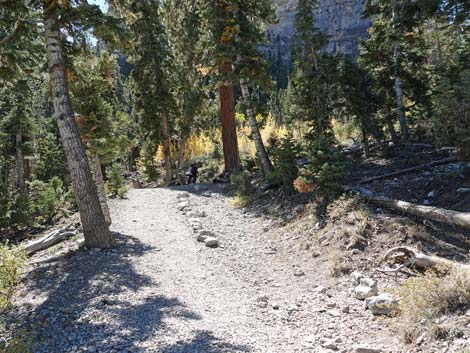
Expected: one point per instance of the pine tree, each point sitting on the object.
(95, 228)
(151, 74)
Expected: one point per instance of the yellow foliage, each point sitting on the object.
(202, 144)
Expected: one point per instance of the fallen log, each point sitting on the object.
(461, 219)
(49, 240)
(409, 170)
(408, 257)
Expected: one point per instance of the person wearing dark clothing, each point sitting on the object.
(192, 174)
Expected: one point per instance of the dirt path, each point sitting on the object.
(162, 291)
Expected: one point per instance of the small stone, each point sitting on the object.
(196, 214)
(299, 273)
(463, 190)
(211, 242)
(204, 234)
(362, 292)
(275, 306)
(383, 304)
(182, 195)
(426, 202)
(357, 276)
(332, 343)
(431, 194)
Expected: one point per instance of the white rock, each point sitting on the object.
(366, 349)
(196, 214)
(211, 242)
(357, 276)
(426, 202)
(183, 195)
(204, 234)
(369, 282)
(363, 292)
(463, 190)
(431, 194)
(182, 205)
(321, 289)
(382, 304)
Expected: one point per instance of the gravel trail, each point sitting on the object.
(162, 291)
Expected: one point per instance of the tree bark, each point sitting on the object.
(261, 153)
(389, 121)
(229, 131)
(20, 172)
(166, 148)
(101, 191)
(398, 84)
(181, 155)
(95, 229)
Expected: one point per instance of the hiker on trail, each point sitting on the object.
(192, 174)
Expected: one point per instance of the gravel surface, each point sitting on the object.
(163, 291)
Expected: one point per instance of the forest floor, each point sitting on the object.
(279, 281)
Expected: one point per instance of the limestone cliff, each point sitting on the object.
(340, 19)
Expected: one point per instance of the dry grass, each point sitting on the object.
(427, 297)
(337, 264)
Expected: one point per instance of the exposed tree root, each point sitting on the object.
(408, 257)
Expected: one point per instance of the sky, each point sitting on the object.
(100, 3)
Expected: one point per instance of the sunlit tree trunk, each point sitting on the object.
(95, 228)
(181, 155)
(261, 153)
(166, 148)
(229, 130)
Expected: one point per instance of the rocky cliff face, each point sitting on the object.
(340, 19)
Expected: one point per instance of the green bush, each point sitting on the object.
(244, 188)
(116, 184)
(12, 263)
(285, 170)
(47, 200)
(326, 167)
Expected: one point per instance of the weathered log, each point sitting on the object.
(409, 170)
(49, 240)
(408, 257)
(451, 217)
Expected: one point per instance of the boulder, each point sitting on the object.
(383, 304)
(211, 242)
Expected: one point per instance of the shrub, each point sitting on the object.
(424, 298)
(325, 168)
(12, 262)
(285, 169)
(244, 188)
(47, 199)
(116, 184)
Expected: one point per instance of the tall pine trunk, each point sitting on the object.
(398, 83)
(95, 228)
(261, 153)
(101, 190)
(166, 148)
(20, 172)
(229, 130)
(181, 155)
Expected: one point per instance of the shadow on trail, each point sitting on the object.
(97, 302)
(204, 342)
